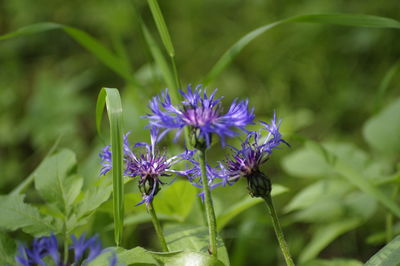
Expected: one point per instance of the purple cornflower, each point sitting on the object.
(84, 250)
(201, 113)
(254, 152)
(152, 164)
(149, 165)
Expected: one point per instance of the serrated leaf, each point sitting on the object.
(51, 178)
(15, 214)
(389, 255)
(193, 238)
(242, 205)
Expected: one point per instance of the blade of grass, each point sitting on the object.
(115, 63)
(385, 85)
(112, 100)
(161, 26)
(337, 19)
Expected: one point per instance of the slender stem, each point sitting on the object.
(176, 75)
(157, 227)
(278, 231)
(212, 225)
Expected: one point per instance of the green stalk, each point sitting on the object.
(389, 219)
(278, 231)
(157, 227)
(212, 225)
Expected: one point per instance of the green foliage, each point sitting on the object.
(382, 131)
(17, 214)
(111, 99)
(189, 238)
(388, 255)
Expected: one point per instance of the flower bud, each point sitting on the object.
(258, 184)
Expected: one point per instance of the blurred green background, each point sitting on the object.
(325, 82)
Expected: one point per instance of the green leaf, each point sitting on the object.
(7, 250)
(161, 26)
(51, 179)
(321, 190)
(176, 200)
(16, 214)
(93, 197)
(112, 100)
(224, 218)
(333, 262)
(193, 238)
(135, 256)
(389, 255)
(382, 130)
(324, 235)
(305, 163)
(384, 85)
(88, 42)
(338, 19)
(186, 258)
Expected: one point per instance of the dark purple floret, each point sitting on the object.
(152, 164)
(203, 114)
(254, 151)
(84, 250)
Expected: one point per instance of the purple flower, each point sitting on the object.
(254, 152)
(201, 113)
(84, 250)
(41, 247)
(152, 164)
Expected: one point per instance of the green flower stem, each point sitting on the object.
(389, 218)
(278, 231)
(212, 225)
(157, 227)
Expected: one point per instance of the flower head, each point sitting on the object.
(246, 161)
(201, 113)
(149, 164)
(153, 164)
(84, 250)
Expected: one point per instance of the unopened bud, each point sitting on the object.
(259, 184)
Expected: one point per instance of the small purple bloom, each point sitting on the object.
(203, 114)
(152, 164)
(254, 152)
(84, 250)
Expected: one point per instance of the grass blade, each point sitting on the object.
(92, 45)
(388, 255)
(159, 58)
(336, 19)
(112, 100)
(161, 26)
